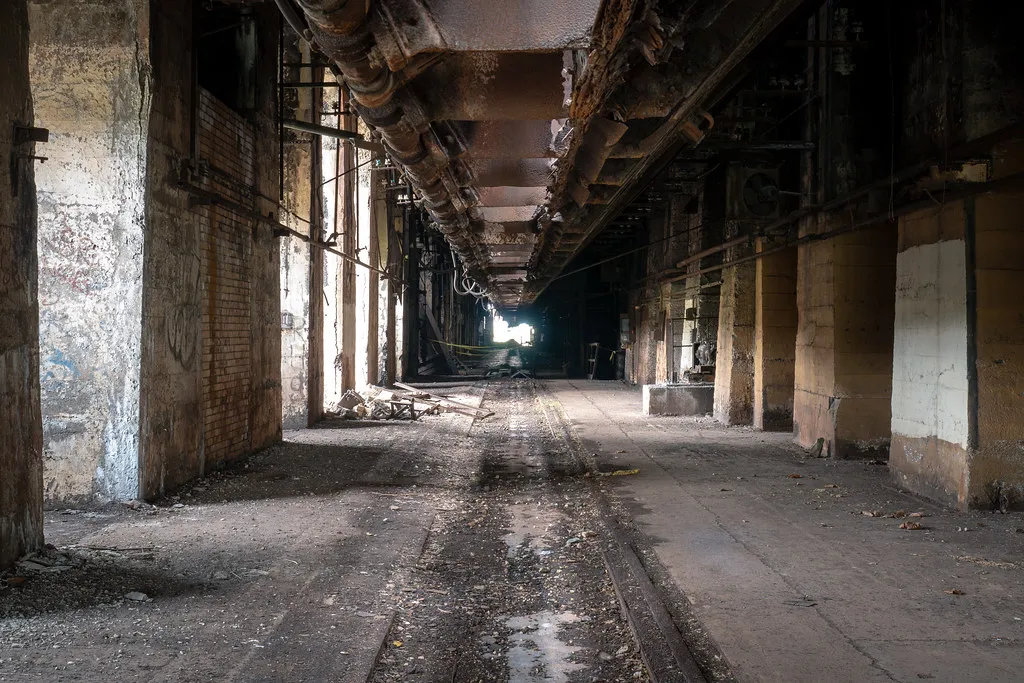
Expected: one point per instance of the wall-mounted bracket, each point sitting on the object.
(23, 135)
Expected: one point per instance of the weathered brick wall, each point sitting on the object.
(212, 344)
(21, 480)
(226, 145)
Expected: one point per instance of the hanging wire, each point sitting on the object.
(469, 286)
(344, 173)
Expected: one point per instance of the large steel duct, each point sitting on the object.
(341, 29)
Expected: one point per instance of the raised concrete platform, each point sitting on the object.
(678, 399)
(788, 577)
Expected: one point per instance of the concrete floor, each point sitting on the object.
(437, 550)
(448, 550)
(792, 580)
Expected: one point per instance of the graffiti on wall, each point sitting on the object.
(182, 330)
(69, 256)
(182, 319)
(57, 367)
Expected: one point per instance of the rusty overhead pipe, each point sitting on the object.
(340, 28)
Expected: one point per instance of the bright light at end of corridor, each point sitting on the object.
(521, 333)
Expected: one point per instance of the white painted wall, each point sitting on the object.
(929, 392)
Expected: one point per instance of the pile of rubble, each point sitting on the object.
(405, 402)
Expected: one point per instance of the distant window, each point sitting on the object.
(228, 48)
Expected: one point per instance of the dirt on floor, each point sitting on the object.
(444, 549)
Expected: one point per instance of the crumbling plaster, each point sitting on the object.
(92, 90)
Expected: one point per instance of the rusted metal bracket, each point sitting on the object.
(23, 135)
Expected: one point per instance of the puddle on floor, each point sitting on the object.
(537, 653)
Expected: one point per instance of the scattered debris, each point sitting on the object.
(794, 475)
(407, 402)
(910, 526)
(988, 563)
(620, 473)
(953, 591)
(871, 513)
(449, 405)
(800, 602)
(42, 563)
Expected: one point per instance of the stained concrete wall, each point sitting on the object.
(310, 204)
(734, 369)
(957, 404)
(21, 446)
(843, 373)
(90, 76)
(295, 292)
(775, 340)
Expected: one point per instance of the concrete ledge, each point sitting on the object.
(679, 399)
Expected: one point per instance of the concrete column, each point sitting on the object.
(301, 201)
(172, 426)
(295, 289)
(775, 340)
(734, 367)
(957, 407)
(324, 149)
(349, 241)
(376, 291)
(411, 298)
(21, 448)
(997, 466)
(366, 289)
(931, 422)
(843, 374)
(90, 69)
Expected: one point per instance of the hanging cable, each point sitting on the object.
(469, 286)
(344, 173)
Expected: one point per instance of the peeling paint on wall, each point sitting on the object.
(930, 353)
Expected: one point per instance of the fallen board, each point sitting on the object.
(454, 406)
